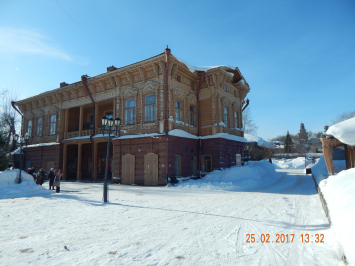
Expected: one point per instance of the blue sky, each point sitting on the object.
(297, 56)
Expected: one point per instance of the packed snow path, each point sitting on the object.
(168, 226)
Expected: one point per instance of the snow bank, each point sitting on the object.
(344, 131)
(236, 178)
(261, 142)
(28, 188)
(338, 191)
(295, 163)
(320, 172)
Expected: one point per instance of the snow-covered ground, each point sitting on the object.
(197, 222)
(295, 163)
(338, 191)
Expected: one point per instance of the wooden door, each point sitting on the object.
(128, 169)
(151, 169)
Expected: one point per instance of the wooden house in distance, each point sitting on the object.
(175, 121)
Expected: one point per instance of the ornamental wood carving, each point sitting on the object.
(29, 115)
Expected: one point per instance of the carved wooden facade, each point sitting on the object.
(66, 115)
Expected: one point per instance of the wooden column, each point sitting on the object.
(97, 118)
(94, 162)
(81, 120)
(114, 108)
(65, 150)
(66, 121)
(78, 172)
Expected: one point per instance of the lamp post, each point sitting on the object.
(107, 128)
(23, 140)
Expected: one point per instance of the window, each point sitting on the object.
(235, 120)
(192, 116)
(192, 86)
(149, 108)
(29, 127)
(39, 127)
(109, 115)
(177, 165)
(206, 163)
(178, 78)
(225, 116)
(129, 112)
(178, 111)
(193, 165)
(225, 88)
(91, 121)
(235, 94)
(52, 125)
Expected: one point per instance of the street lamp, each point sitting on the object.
(23, 140)
(107, 124)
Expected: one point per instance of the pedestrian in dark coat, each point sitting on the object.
(51, 178)
(58, 177)
(40, 177)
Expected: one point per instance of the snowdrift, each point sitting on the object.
(338, 192)
(28, 188)
(236, 178)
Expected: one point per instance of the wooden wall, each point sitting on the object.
(40, 156)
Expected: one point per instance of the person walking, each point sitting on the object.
(51, 178)
(58, 178)
(40, 177)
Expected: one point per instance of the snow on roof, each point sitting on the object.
(261, 142)
(152, 135)
(204, 68)
(182, 133)
(225, 136)
(17, 151)
(344, 131)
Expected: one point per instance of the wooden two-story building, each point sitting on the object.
(175, 121)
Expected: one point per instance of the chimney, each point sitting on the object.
(63, 84)
(325, 129)
(111, 68)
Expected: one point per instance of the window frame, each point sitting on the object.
(39, 130)
(175, 164)
(203, 164)
(179, 111)
(225, 88)
(178, 78)
(132, 110)
(225, 116)
(235, 119)
(29, 127)
(52, 125)
(192, 123)
(194, 170)
(150, 106)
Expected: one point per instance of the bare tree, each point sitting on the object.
(248, 123)
(343, 116)
(9, 118)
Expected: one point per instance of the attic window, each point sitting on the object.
(178, 78)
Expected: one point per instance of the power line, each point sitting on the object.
(83, 31)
